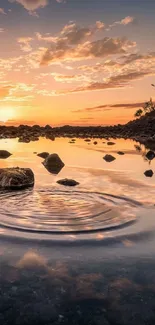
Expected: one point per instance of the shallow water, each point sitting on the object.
(82, 255)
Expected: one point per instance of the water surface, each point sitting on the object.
(82, 255)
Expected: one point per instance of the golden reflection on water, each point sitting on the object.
(122, 177)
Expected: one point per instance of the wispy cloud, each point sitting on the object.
(118, 81)
(125, 21)
(109, 107)
(25, 43)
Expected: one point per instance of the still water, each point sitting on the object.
(82, 255)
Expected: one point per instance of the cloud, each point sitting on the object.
(19, 92)
(110, 106)
(125, 21)
(71, 34)
(25, 43)
(63, 49)
(118, 81)
(64, 78)
(4, 92)
(2, 11)
(32, 5)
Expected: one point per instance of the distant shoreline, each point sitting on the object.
(141, 130)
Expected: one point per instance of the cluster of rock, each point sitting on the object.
(142, 129)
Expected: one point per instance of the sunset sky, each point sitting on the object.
(78, 62)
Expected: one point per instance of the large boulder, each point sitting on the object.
(16, 178)
(4, 154)
(67, 182)
(53, 163)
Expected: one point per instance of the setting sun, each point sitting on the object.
(6, 114)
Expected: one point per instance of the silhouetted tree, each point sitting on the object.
(138, 113)
(147, 108)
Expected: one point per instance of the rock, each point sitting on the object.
(53, 163)
(50, 137)
(95, 142)
(16, 178)
(87, 140)
(25, 140)
(109, 158)
(68, 182)
(121, 153)
(150, 155)
(110, 143)
(148, 173)
(43, 155)
(4, 154)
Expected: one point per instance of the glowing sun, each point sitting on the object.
(6, 114)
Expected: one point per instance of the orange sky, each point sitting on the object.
(65, 62)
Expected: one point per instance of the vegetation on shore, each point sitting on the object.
(147, 108)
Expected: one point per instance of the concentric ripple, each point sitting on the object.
(62, 212)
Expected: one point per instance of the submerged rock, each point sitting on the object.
(53, 163)
(150, 155)
(109, 158)
(110, 143)
(68, 182)
(16, 178)
(4, 154)
(43, 155)
(148, 173)
(95, 142)
(121, 153)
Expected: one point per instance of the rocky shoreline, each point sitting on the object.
(141, 130)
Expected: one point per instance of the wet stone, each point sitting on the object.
(67, 182)
(109, 158)
(121, 153)
(53, 163)
(16, 178)
(150, 155)
(148, 173)
(4, 154)
(43, 155)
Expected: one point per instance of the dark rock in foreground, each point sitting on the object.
(53, 163)
(4, 154)
(148, 173)
(68, 182)
(121, 153)
(16, 178)
(110, 143)
(95, 142)
(150, 155)
(109, 158)
(43, 155)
